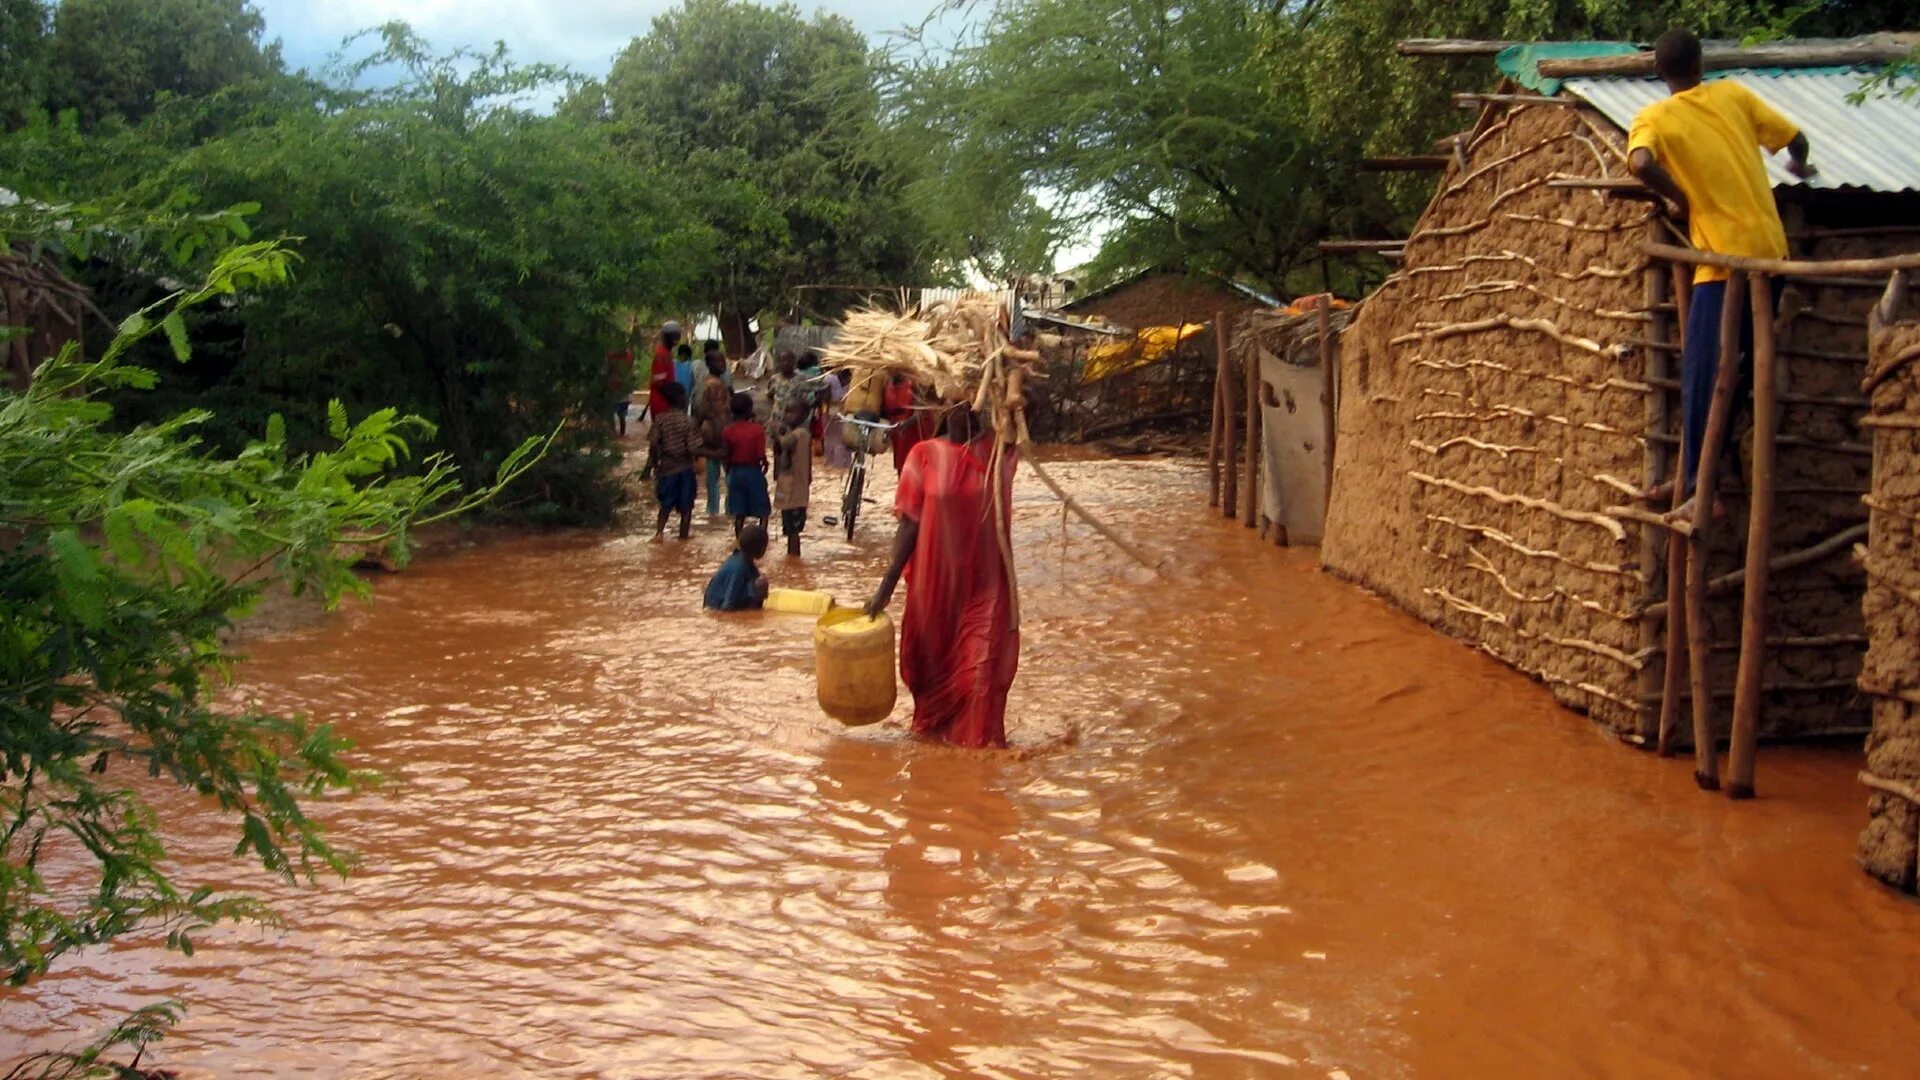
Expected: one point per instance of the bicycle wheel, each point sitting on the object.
(856, 481)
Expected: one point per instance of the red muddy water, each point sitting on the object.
(1274, 828)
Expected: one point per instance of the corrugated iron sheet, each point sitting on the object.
(1873, 145)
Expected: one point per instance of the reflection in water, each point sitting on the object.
(1276, 827)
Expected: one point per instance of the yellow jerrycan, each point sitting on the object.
(853, 659)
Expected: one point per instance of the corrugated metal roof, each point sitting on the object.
(1873, 145)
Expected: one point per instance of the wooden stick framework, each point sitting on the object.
(1753, 617)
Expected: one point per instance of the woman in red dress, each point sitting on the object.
(959, 646)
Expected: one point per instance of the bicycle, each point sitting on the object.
(852, 494)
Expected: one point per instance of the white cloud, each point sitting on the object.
(582, 34)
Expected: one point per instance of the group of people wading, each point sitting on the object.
(959, 645)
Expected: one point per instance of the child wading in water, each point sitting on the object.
(673, 448)
(744, 449)
(793, 475)
(739, 585)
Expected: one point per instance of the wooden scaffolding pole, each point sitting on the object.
(1655, 467)
(1699, 633)
(1753, 612)
(1230, 482)
(1677, 551)
(1250, 515)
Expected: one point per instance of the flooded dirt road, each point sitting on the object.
(1297, 834)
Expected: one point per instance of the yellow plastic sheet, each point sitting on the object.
(1150, 345)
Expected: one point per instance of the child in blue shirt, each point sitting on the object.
(739, 585)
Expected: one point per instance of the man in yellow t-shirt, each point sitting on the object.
(1699, 151)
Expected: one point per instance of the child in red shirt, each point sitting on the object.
(744, 452)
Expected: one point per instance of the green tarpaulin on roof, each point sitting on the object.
(1521, 63)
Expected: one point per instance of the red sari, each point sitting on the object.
(959, 649)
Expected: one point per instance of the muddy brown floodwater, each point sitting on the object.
(1298, 834)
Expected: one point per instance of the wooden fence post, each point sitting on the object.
(1251, 515)
(1330, 387)
(1662, 466)
(1706, 754)
(1753, 612)
(1230, 486)
(1213, 437)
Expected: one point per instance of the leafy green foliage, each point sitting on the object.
(1217, 135)
(124, 556)
(24, 63)
(141, 1029)
(461, 256)
(770, 120)
(116, 58)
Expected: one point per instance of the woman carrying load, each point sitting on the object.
(959, 638)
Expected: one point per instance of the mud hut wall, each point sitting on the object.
(1891, 608)
(1492, 408)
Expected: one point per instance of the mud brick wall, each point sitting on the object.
(1518, 379)
(1891, 673)
(1493, 406)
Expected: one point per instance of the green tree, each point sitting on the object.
(462, 256)
(1217, 135)
(124, 555)
(115, 58)
(770, 119)
(23, 60)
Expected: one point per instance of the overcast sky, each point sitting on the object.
(582, 34)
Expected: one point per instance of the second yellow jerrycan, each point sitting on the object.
(853, 659)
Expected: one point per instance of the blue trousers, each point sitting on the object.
(714, 486)
(1700, 366)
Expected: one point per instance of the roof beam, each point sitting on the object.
(1877, 49)
(1451, 47)
(1475, 101)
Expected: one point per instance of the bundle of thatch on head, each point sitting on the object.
(47, 310)
(958, 350)
(1513, 387)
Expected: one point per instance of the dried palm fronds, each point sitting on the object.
(959, 349)
(947, 347)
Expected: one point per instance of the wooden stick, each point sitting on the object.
(1886, 50)
(1100, 527)
(1753, 612)
(1881, 374)
(1832, 267)
(1612, 527)
(1329, 389)
(1451, 47)
(1792, 560)
(1230, 484)
(1213, 441)
(1705, 754)
(1620, 184)
(1251, 363)
(1677, 545)
(1476, 101)
(1891, 787)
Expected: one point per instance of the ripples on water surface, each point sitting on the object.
(1280, 829)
